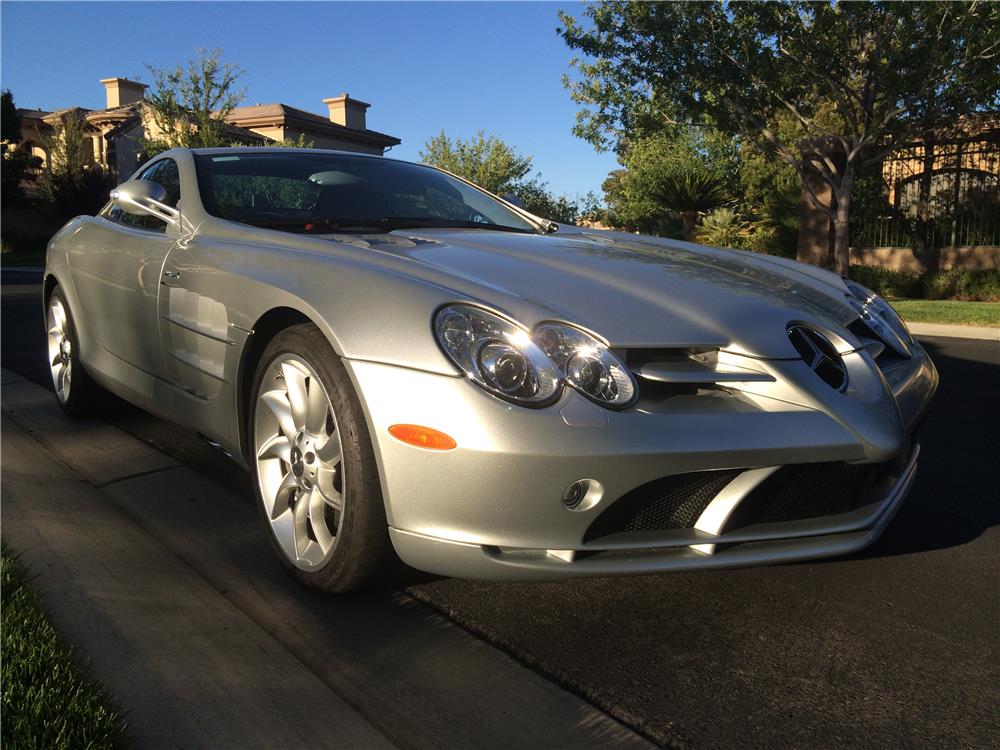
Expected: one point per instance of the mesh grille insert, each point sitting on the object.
(673, 502)
(796, 492)
(802, 491)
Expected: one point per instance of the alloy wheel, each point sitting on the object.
(299, 461)
(60, 349)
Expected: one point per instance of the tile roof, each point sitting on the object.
(284, 112)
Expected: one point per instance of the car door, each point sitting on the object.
(117, 276)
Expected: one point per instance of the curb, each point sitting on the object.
(982, 333)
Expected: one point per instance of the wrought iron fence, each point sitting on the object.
(931, 195)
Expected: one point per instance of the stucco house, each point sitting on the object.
(117, 131)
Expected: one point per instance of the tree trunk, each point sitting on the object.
(842, 223)
(689, 218)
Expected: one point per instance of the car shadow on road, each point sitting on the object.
(954, 498)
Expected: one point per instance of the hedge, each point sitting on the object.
(981, 285)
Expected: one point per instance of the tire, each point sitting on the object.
(322, 507)
(76, 393)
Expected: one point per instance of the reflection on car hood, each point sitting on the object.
(634, 291)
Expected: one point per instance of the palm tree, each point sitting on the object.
(691, 189)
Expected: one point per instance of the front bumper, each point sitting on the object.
(492, 508)
(829, 536)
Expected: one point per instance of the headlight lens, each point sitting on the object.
(589, 366)
(497, 354)
(880, 316)
(503, 358)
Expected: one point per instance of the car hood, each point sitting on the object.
(633, 291)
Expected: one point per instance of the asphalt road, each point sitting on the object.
(896, 647)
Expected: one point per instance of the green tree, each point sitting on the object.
(487, 161)
(18, 163)
(825, 87)
(10, 120)
(674, 170)
(188, 106)
(73, 183)
(483, 159)
(300, 142)
(771, 192)
(534, 195)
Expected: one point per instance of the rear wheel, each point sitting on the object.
(316, 481)
(76, 393)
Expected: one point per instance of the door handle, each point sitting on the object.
(172, 274)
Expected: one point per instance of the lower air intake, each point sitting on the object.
(802, 491)
(670, 503)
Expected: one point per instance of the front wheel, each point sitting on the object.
(76, 393)
(316, 481)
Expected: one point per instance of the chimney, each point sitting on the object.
(122, 91)
(347, 111)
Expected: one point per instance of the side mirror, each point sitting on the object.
(513, 200)
(145, 197)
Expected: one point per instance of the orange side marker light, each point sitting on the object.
(423, 437)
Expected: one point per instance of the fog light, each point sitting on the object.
(583, 494)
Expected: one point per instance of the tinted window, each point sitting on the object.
(323, 192)
(169, 177)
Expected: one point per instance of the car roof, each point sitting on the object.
(282, 150)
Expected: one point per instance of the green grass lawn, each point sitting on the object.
(47, 701)
(950, 311)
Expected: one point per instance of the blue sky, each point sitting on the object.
(424, 67)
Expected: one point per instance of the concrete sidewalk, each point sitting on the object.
(984, 333)
(167, 583)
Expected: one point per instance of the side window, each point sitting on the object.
(170, 178)
(165, 173)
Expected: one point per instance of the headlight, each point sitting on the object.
(503, 358)
(589, 366)
(880, 316)
(497, 354)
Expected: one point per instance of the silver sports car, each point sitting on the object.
(410, 365)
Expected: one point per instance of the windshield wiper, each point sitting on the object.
(318, 226)
(385, 224)
(434, 222)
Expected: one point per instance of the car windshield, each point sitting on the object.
(321, 192)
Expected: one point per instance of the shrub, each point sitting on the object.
(887, 282)
(979, 285)
(963, 283)
(722, 228)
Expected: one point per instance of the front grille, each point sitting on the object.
(802, 491)
(673, 502)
